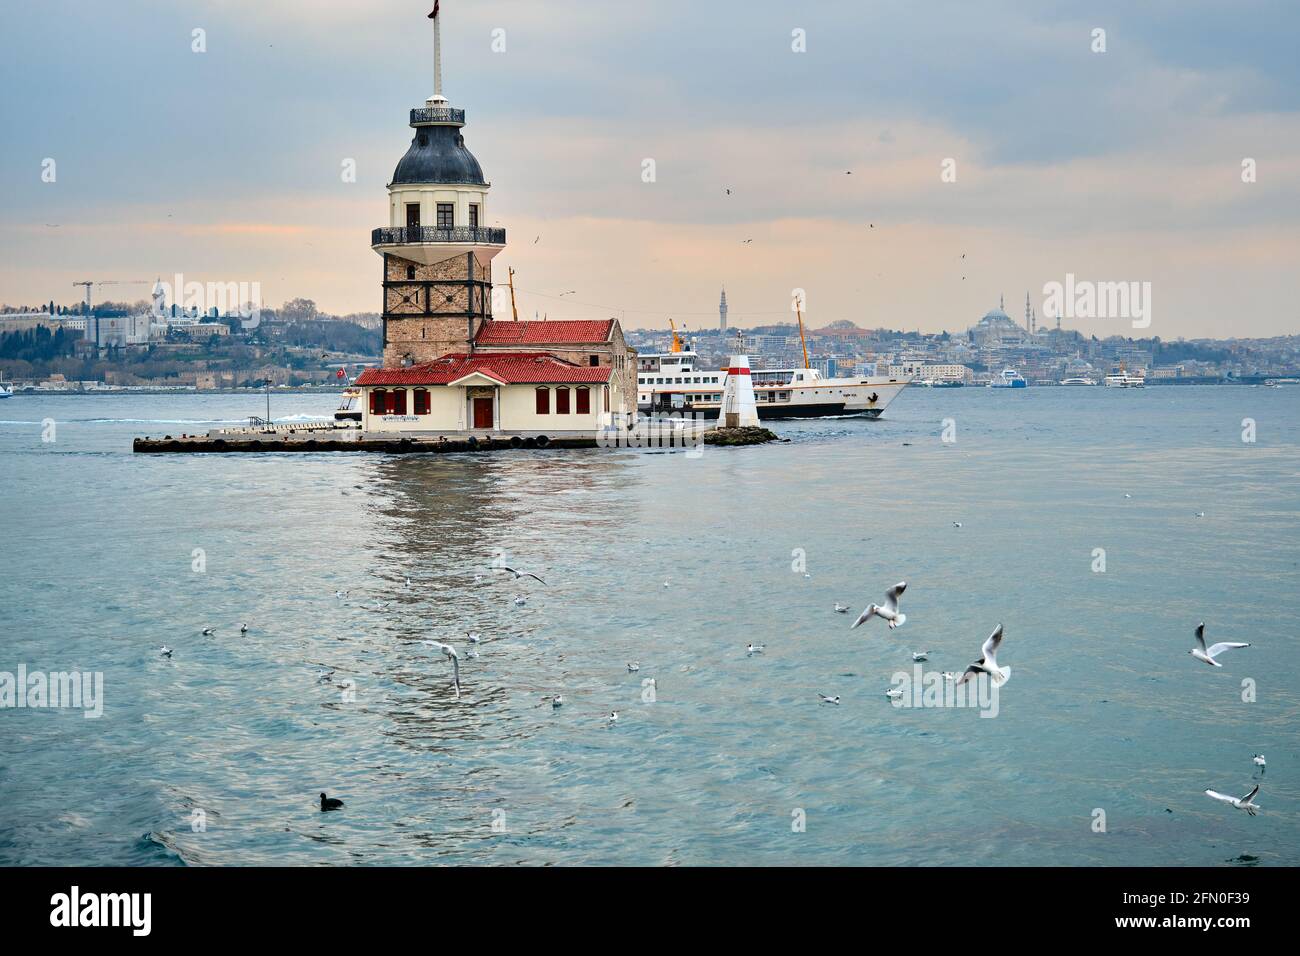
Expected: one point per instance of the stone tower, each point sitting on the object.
(437, 248)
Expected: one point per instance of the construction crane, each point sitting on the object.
(677, 339)
(91, 282)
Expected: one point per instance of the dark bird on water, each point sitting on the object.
(330, 803)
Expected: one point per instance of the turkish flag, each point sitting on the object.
(339, 374)
(435, 10)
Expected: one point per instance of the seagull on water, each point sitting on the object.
(450, 653)
(243, 629)
(520, 600)
(1200, 514)
(473, 636)
(829, 700)
(208, 631)
(951, 676)
(556, 700)
(521, 574)
(889, 611)
(330, 803)
(633, 667)
(1241, 804)
(612, 718)
(752, 649)
(956, 524)
(340, 594)
(166, 651)
(1259, 760)
(1208, 654)
(841, 608)
(894, 693)
(919, 656)
(988, 662)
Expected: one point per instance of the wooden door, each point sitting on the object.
(482, 413)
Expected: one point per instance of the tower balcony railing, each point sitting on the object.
(410, 235)
(437, 114)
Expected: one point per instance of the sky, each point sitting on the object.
(1117, 166)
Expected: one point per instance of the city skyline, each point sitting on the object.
(1122, 166)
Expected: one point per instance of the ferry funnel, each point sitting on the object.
(738, 405)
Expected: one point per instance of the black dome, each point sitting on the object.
(438, 155)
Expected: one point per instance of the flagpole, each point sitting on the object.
(437, 53)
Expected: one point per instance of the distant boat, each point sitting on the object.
(6, 390)
(948, 383)
(1125, 380)
(1077, 381)
(1009, 378)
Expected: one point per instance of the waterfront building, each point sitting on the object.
(449, 365)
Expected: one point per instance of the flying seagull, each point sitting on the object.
(1243, 804)
(1202, 653)
(889, 611)
(521, 574)
(449, 652)
(988, 662)
(473, 636)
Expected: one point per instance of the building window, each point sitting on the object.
(473, 215)
(593, 360)
(377, 401)
(606, 390)
(396, 403)
(446, 215)
(561, 401)
(543, 400)
(421, 401)
(410, 272)
(584, 400)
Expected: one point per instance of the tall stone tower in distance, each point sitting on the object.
(722, 311)
(436, 248)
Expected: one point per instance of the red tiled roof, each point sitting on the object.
(567, 332)
(509, 368)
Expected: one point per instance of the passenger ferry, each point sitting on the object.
(670, 382)
(1009, 378)
(1120, 378)
(1077, 381)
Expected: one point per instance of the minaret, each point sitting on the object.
(1029, 322)
(722, 311)
(437, 251)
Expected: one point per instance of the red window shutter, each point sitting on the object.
(561, 401)
(377, 401)
(543, 401)
(584, 400)
(421, 401)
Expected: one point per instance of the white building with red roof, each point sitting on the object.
(450, 368)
